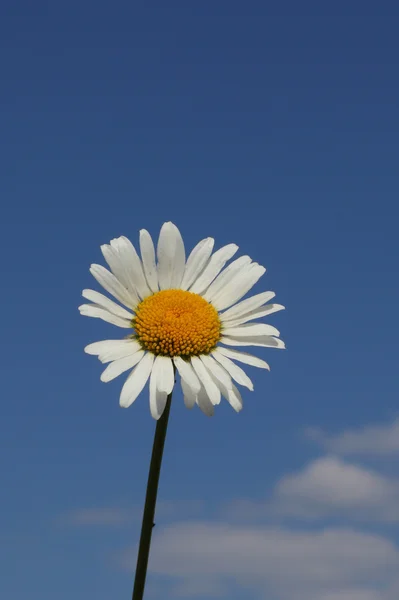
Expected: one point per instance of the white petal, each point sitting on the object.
(217, 286)
(119, 269)
(132, 263)
(196, 262)
(148, 257)
(231, 394)
(118, 258)
(235, 399)
(113, 285)
(243, 357)
(136, 381)
(234, 370)
(213, 268)
(187, 373)
(268, 309)
(189, 396)
(166, 375)
(112, 259)
(158, 398)
(206, 380)
(217, 371)
(266, 341)
(240, 285)
(116, 354)
(171, 257)
(251, 329)
(121, 365)
(92, 310)
(108, 350)
(205, 403)
(247, 305)
(106, 303)
(97, 348)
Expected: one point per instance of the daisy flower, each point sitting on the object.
(182, 315)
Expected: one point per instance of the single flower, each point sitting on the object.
(180, 314)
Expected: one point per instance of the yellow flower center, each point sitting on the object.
(177, 323)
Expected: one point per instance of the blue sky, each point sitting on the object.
(274, 127)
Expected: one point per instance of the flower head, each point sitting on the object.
(181, 316)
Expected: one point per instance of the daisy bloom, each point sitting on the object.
(182, 315)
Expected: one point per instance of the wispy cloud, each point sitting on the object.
(332, 564)
(105, 516)
(371, 440)
(197, 559)
(354, 594)
(113, 516)
(204, 587)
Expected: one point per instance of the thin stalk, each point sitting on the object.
(150, 502)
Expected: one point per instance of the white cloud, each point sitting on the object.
(372, 440)
(332, 564)
(328, 487)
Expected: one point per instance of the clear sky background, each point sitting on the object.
(271, 125)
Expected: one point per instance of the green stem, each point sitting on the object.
(150, 502)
